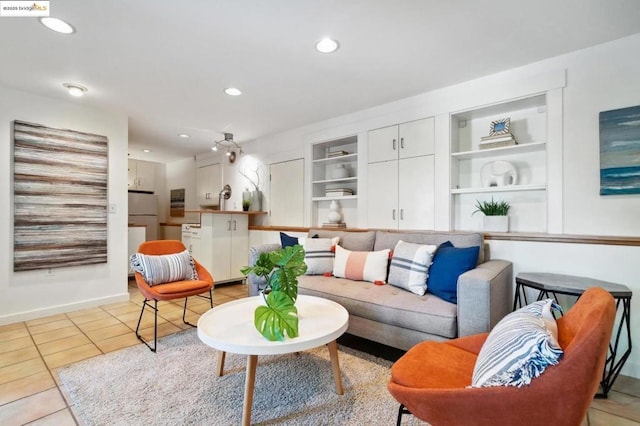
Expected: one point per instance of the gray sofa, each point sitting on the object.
(399, 318)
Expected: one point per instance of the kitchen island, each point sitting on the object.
(220, 242)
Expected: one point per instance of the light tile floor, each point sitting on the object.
(31, 353)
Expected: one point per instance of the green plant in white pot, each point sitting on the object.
(496, 217)
(281, 268)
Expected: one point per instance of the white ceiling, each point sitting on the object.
(166, 63)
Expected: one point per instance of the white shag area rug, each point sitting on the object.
(178, 385)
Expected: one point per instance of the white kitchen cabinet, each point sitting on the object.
(401, 194)
(141, 176)
(224, 245)
(209, 184)
(412, 139)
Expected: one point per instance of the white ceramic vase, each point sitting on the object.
(495, 223)
(334, 215)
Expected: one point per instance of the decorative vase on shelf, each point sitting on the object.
(495, 223)
(256, 201)
(334, 215)
(340, 172)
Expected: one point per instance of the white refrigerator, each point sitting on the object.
(143, 210)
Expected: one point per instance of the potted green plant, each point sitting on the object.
(281, 269)
(245, 205)
(496, 217)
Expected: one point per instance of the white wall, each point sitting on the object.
(32, 294)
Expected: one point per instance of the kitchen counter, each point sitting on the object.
(224, 212)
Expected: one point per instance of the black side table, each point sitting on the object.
(550, 285)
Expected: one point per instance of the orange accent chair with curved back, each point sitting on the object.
(431, 379)
(172, 290)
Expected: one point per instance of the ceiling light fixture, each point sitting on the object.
(184, 135)
(232, 91)
(75, 89)
(146, 150)
(57, 25)
(229, 144)
(327, 45)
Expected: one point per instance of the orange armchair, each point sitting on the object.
(430, 379)
(172, 290)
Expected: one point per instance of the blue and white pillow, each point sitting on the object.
(519, 348)
(164, 268)
(410, 266)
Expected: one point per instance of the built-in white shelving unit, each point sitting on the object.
(527, 196)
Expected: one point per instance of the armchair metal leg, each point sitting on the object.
(155, 324)
(401, 410)
(184, 311)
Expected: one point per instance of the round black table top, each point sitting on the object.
(569, 284)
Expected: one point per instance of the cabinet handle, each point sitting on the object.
(402, 143)
(394, 144)
(234, 225)
(401, 214)
(393, 214)
(229, 223)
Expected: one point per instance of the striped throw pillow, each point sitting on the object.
(319, 254)
(410, 266)
(165, 268)
(361, 265)
(519, 348)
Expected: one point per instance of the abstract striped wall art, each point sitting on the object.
(60, 197)
(620, 151)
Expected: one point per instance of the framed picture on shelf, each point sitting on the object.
(500, 127)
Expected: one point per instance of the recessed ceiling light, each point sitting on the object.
(326, 45)
(232, 91)
(57, 25)
(75, 89)
(146, 150)
(184, 135)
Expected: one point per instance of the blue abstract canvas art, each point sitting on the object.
(620, 151)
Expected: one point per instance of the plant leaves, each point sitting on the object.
(278, 318)
(262, 268)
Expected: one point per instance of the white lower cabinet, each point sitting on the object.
(224, 245)
(401, 194)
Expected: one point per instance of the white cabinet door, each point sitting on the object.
(239, 245)
(286, 205)
(146, 172)
(415, 193)
(383, 144)
(416, 138)
(218, 247)
(132, 176)
(209, 184)
(383, 195)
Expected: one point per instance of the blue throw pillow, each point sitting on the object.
(287, 240)
(448, 264)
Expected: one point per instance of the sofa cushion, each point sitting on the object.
(410, 266)
(519, 348)
(449, 263)
(388, 239)
(386, 304)
(354, 241)
(361, 265)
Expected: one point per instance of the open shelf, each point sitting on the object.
(492, 189)
(504, 150)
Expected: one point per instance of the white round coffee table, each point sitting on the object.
(229, 328)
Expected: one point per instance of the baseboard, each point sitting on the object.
(62, 309)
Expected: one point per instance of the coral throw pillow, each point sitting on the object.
(361, 265)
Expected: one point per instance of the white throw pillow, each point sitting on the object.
(410, 266)
(160, 269)
(361, 265)
(319, 255)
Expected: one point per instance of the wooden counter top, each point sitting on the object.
(225, 212)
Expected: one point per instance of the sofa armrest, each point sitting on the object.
(484, 296)
(255, 282)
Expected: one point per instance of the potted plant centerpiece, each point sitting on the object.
(245, 205)
(281, 269)
(495, 215)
